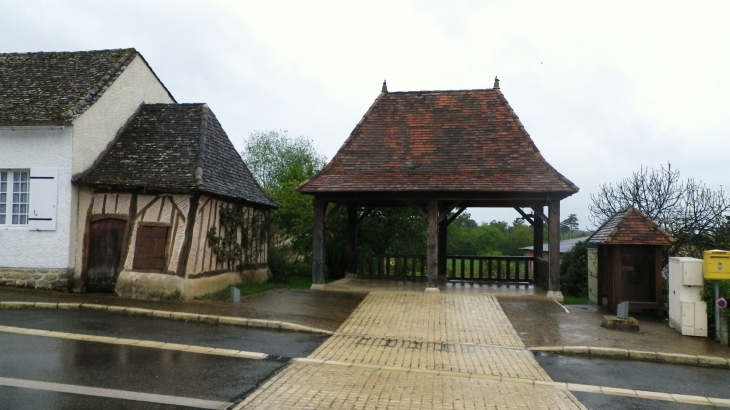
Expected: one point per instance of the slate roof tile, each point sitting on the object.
(56, 87)
(162, 146)
(467, 140)
(630, 227)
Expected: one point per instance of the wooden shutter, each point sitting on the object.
(149, 252)
(43, 199)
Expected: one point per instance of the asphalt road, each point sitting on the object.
(637, 375)
(52, 373)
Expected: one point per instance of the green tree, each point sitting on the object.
(280, 163)
(569, 225)
(574, 271)
(688, 210)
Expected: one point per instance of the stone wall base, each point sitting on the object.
(53, 279)
(157, 286)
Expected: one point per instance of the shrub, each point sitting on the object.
(574, 271)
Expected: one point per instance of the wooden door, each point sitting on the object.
(106, 237)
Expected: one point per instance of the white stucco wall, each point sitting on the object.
(96, 128)
(99, 124)
(38, 147)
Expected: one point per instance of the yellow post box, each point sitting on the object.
(717, 265)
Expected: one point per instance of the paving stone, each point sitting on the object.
(184, 316)
(69, 306)
(46, 305)
(116, 309)
(208, 318)
(609, 352)
(418, 351)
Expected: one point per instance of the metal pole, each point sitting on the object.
(717, 311)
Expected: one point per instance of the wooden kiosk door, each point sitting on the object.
(106, 237)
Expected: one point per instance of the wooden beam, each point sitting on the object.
(444, 212)
(527, 217)
(543, 216)
(332, 211)
(537, 244)
(318, 242)
(442, 238)
(351, 239)
(453, 217)
(554, 245)
(432, 244)
(419, 210)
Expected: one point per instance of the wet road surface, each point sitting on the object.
(636, 375)
(321, 309)
(83, 366)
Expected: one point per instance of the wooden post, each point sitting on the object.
(537, 229)
(432, 246)
(351, 240)
(320, 206)
(554, 250)
(442, 238)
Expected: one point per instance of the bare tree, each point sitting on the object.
(689, 211)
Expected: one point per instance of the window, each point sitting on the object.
(150, 249)
(14, 197)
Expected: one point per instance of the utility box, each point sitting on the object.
(717, 265)
(687, 311)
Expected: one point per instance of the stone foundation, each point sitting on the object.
(53, 279)
(157, 286)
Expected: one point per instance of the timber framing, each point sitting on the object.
(439, 153)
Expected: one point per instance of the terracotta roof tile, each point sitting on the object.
(630, 227)
(468, 140)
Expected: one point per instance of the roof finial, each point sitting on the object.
(385, 87)
(496, 83)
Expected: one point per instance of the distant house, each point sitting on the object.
(565, 246)
(138, 158)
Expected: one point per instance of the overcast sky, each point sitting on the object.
(602, 89)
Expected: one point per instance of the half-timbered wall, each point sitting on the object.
(172, 211)
(202, 260)
(153, 210)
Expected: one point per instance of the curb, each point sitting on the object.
(164, 314)
(614, 353)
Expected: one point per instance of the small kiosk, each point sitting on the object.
(630, 249)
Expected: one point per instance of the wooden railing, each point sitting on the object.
(458, 268)
(376, 266)
(489, 268)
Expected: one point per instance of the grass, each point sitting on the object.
(290, 282)
(572, 300)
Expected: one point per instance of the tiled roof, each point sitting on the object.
(565, 245)
(630, 227)
(56, 87)
(468, 140)
(164, 145)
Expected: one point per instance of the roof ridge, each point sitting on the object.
(200, 162)
(529, 140)
(96, 91)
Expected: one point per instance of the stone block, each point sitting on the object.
(677, 358)
(184, 316)
(609, 352)
(576, 350)
(208, 319)
(616, 323)
(642, 355)
(16, 305)
(712, 361)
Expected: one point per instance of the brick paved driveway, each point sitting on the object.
(417, 351)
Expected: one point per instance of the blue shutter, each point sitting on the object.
(43, 199)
